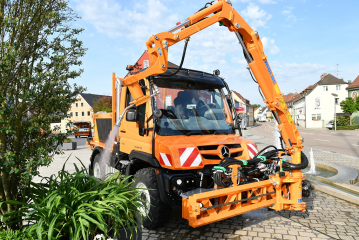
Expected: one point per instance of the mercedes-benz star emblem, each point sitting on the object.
(225, 151)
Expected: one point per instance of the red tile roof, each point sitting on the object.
(243, 99)
(354, 84)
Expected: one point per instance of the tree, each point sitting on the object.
(102, 104)
(255, 106)
(39, 53)
(349, 106)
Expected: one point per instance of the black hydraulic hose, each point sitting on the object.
(183, 56)
(265, 149)
(290, 166)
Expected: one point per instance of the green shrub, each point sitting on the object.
(350, 127)
(343, 120)
(13, 235)
(68, 140)
(79, 206)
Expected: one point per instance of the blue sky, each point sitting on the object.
(301, 38)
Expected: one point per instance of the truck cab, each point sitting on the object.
(175, 139)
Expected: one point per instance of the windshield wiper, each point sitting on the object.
(194, 133)
(218, 132)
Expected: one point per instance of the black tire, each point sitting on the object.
(98, 169)
(158, 212)
(75, 136)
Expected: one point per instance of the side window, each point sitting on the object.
(128, 97)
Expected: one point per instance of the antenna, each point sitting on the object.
(337, 69)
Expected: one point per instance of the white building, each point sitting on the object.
(314, 106)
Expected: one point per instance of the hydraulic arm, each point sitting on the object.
(223, 12)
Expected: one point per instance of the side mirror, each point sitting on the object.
(131, 115)
(240, 116)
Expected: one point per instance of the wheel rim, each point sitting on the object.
(145, 195)
(97, 170)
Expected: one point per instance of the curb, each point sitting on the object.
(334, 192)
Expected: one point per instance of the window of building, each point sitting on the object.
(336, 100)
(325, 88)
(88, 113)
(316, 117)
(338, 87)
(82, 114)
(146, 63)
(76, 114)
(168, 101)
(77, 104)
(70, 114)
(82, 104)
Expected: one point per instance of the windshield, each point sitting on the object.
(190, 108)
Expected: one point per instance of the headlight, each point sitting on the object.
(179, 182)
(302, 139)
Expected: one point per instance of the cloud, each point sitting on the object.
(287, 12)
(255, 16)
(287, 70)
(138, 23)
(269, 45)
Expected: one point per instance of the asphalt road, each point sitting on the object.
(340, 141)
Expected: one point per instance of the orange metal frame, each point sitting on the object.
(157, 46)
(193, 207)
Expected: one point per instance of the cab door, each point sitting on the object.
(133, 132)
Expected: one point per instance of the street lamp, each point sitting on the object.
(335, 115)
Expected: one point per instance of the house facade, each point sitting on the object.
(241, 102)
(256, 112)
(314, 106)
(353, 92)
(81, 109)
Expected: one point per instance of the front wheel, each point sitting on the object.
(156, 213)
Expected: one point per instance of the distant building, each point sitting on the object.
(262, 114)
(241, 102)
(81, 109)
(353, 92)
(256, 111)
(314, 106)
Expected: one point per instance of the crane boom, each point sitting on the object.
(222, 11)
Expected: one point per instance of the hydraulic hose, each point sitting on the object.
(302, 165)
(182, 60)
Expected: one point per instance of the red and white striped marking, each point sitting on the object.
(190, 157)
(252, 150)
(165, 159)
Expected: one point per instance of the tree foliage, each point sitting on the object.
(39, 53)
(349, 106)
(255, 106)
(103, 104)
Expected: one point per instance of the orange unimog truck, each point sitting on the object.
(177, 137)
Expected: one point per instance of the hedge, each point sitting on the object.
(350, 127)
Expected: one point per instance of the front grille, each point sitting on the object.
(233, 145)
(210, 147)
(237, 154)
(219, 156)
(211, 157)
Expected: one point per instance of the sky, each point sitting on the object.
(302, 39)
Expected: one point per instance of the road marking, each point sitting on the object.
(321, 140)
(310, 133)
(355, 145)
(324, 135)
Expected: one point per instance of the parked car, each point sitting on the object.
(330, 125)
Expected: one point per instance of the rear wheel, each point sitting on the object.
(156, 213)
(98, 168)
